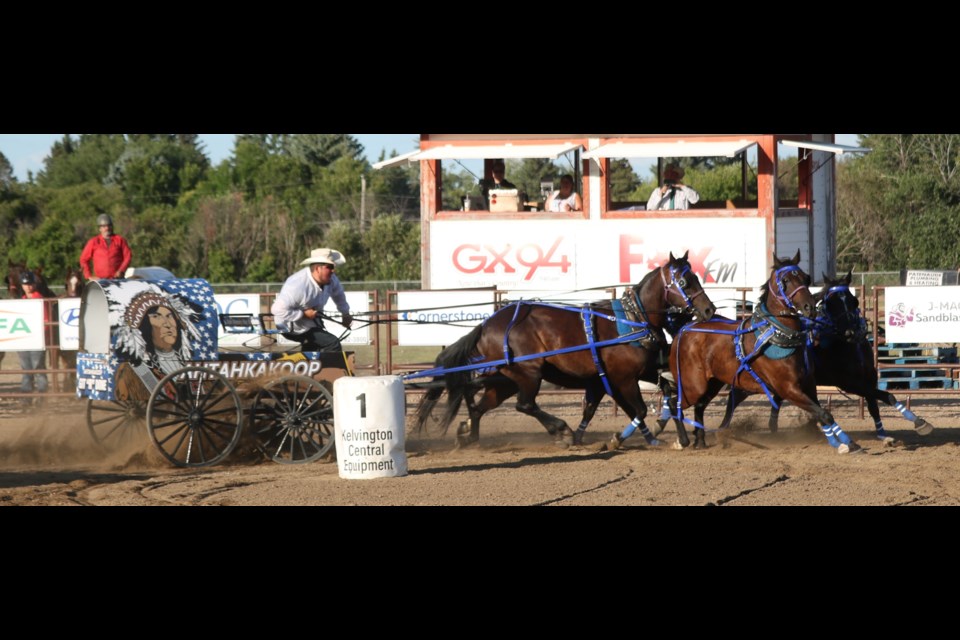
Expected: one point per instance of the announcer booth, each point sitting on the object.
(787, 204)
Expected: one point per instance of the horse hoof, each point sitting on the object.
(887, 441)
(843, 449)
(614, 443)
(465, 441)
(653, 442)
(923, 427)
(577, 438)
(676, 446)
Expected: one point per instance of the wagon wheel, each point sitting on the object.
(116, 424)
(194, 417)
(292, 420)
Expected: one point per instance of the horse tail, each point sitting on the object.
(456, 355)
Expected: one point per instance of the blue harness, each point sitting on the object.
(774, 340)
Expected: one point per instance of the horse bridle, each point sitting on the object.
(852, 316)
(680, 283)
(779, 277)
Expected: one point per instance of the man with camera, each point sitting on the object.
(673, 194)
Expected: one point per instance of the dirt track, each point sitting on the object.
(49, 459)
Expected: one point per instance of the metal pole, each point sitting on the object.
(363, 201)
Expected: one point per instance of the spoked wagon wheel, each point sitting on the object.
(116, 424)
(194, 417)
(292, 420)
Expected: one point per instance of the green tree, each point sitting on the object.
(322, 149)
(394, 189)
(895, 203)
(6, 174)
(623, 181)
(158, 238)
(529, 172)
(87, 158)
(393, 245)
(50, 245)
(345, 238)
(158, 168)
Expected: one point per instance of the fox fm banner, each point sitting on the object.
(580, 254)
(922, 314)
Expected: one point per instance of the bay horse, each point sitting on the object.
(764, 354)
(527, 342)
(843, 358)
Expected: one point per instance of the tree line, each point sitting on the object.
(251, 218)
(256, 214)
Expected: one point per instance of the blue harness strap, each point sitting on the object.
(746, 359)
(506, 332)
(587, 315)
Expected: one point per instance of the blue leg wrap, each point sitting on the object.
(653, 442)
(881, 433)
(832, 439)
(630, 428)
(909, 415)
(840, 434)
(665, 409)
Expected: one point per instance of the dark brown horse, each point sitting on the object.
(525, 343)
(843, 358)
(761, 354)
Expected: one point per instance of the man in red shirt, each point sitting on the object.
(110, 253)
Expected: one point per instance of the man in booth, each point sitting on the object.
(498, 181)
(672, 194)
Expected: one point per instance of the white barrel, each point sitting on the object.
(368, 414)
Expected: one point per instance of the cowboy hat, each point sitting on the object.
(673, 172)
(325, 256)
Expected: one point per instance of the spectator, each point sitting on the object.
(30, 382)
(110, 253)
(498, 181)
(673, 194)
(565, 199)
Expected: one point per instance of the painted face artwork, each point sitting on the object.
(163, 324)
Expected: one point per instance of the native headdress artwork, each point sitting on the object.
(129, 301)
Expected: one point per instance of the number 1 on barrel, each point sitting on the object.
(363, 404)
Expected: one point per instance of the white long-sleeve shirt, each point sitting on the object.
(682, 198)
(301, 292)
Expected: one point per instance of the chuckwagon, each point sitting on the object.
(150, 355)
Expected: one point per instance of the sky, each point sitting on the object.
(26, 151)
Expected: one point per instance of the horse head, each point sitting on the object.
(13, 278)
(789, 289)
(73, 285)
(682, 291)
(840, 309)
